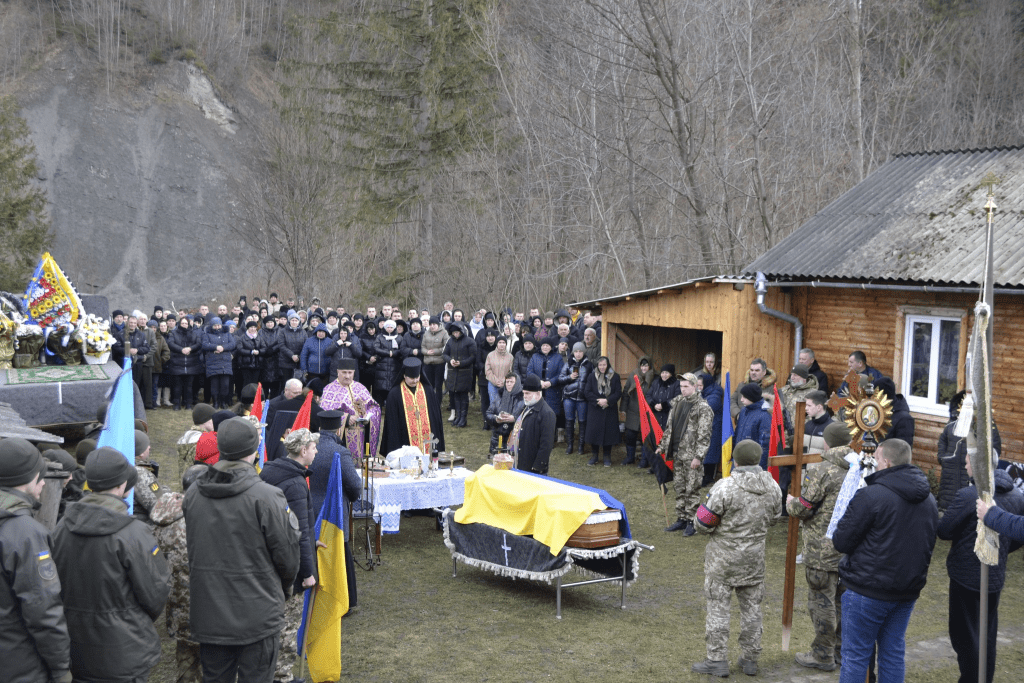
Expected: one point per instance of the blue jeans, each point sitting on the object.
(865, 621)
(574, 410)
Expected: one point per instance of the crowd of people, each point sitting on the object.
(378, 383)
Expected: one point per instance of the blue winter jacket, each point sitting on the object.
(754, 422)
(548, 368)
(314, 358)
(715, 397)
(218, 363)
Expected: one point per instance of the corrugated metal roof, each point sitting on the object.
(918, 218)
(725, 279)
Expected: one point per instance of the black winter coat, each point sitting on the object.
(572, 389)
(178, 340)
(353, 350)
(367, 370)
(269, 364)
(536, 438)
(412, 342)
(603, 423)
(244, 352)
(243, 555)
(289, 343)
(389, 362)
(218, 363)
(463, 350)
(960, 525)
(663, 393)
(952, 455)
(33, 631)
(112, 606)
(290, 477)
(320, 474)
(482, 350)
(888, 534)
(521, 362)
(902, 421)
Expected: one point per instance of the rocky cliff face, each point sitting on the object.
(141, 181)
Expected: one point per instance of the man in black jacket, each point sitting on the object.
(959, 525)
(887, 535)
(289, 474)
(534, 432)
(110, 607)
(34, 643)
(902, 421)
(243, 555)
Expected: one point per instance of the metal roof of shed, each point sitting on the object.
(712, 279)
(919, 218)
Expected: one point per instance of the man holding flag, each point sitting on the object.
(243, 555)
(686, 439)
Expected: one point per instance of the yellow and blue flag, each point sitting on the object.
(119, 428)
(327, 603)
(727, 431)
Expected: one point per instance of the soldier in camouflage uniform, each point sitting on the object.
(202, 421)
(687, 437)
(148, 489)
(736, 513)
(818, 493)
(169, 528)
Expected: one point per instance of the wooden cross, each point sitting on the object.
(789, 587)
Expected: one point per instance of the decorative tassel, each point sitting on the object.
(986, 546)
(966, 417)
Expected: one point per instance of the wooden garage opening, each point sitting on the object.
(683, 347)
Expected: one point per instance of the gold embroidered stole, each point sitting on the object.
(417, 418)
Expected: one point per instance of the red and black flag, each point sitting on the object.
(651, 433)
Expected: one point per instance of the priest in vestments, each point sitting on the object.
(412, 413)
(352, 398)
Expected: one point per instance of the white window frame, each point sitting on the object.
(917, 404)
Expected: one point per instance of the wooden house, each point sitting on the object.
(893, 268)
(680, 323)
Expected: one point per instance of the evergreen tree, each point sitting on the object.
(24, 226)
(408, 94)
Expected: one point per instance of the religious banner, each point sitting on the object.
(50, 298)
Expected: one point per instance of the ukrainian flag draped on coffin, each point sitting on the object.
(330, 597)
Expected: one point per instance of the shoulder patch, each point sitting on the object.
(155, 550)
(293, 520)
(154, 486)
(47, 569)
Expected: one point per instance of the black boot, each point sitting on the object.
(593, 456)
(569, 437)
(583, 431)
(630, 455)
(494, 442)
(460, 420)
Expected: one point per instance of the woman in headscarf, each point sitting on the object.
(602, 390)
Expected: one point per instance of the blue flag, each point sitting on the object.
(119, 429)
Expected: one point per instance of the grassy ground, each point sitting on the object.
(417, 623)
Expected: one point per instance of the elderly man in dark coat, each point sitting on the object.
(534, 432)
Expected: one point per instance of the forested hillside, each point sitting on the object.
(515, 150)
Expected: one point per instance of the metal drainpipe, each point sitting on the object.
(761, 288)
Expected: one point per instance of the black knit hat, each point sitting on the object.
(434, 320)
(141, 442)
(61, 457)
(747, 452)
(669, 368)
(251, 323)
(117, 312)
(751, 391)
(316, 385)
(106, 468)
(237, 438)
(20, 462)
(248, 394)
(84, 448)
(220, 417)
(202, 413)
(531, 383)
(530, 338)
(800, 370)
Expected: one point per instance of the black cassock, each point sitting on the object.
(396, 432)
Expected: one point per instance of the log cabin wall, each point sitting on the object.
(838, 321)
(690, 317)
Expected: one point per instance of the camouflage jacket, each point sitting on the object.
(737, 513)
(169, 528)
(187, 448)
(789, 395)
(696, 438)
(147, 490)
(818, 493)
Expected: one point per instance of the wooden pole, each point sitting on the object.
(664, 503)
(794, 524)
(49, 499)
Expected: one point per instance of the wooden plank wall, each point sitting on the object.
(714, 307)
(838, 321)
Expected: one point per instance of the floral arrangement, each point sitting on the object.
(95, 334)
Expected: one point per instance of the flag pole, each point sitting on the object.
(789, 586)
(664, 502)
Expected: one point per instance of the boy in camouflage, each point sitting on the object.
(736, 513)
(818, 493)
(687, 437)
